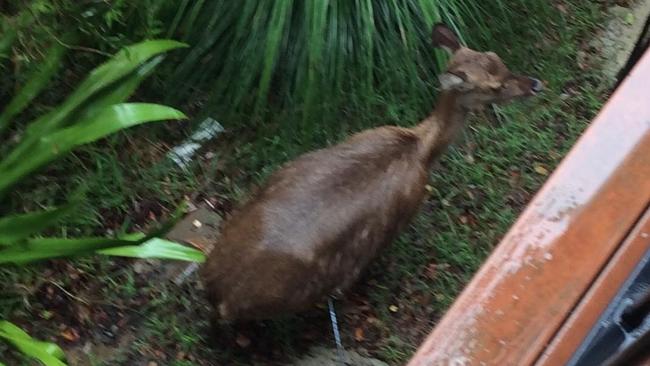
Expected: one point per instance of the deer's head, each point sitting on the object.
(479, 78)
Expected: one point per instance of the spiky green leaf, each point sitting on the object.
(45, 248)
(157, 248)
(48, 353)
(15, 228)
(107, 121)
(122, 64)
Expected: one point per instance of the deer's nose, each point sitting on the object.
(536, 85)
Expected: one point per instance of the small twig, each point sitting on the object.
(91, 301)
(68, 293)
(209, 203)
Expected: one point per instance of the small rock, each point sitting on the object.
(242, 341)
(329, 357)
(197, 224)
(87, 347)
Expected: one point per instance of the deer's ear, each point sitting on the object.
(444, 37)
(449, 81)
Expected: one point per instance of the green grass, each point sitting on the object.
(114, 179)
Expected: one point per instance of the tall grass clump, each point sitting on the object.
(311, 61)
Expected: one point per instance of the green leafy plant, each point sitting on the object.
(48, 353)
(96, 109)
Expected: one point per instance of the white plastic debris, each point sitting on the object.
(183, 153)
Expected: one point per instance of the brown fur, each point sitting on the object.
(320, 220)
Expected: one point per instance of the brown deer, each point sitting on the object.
(320, 220)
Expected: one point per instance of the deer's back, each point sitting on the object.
(316, 225)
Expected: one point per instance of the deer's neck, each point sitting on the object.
(438, 130)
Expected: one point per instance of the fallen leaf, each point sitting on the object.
(541, 170)
(432, 269)
(364, 308)
(393, 308)
(424, 299)
(83, 314)
(200, 246)
(70, 334)
(358, 334)
(372, 320)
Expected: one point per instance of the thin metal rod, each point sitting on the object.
(335, 330)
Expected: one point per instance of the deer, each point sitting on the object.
(318, 222)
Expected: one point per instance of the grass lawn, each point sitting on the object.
(477, 191)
